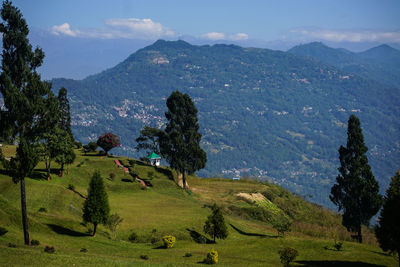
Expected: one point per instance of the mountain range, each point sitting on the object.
(274, 115)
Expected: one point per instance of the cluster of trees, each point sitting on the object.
(356, 192)
(33, 116)
(179, 143)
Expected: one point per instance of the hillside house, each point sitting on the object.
(154, 159)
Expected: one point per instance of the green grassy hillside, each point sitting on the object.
(248, 206)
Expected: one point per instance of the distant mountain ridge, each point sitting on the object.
(381, 63)
(273, 114)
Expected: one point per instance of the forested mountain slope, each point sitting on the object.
(381, 63)
(261, 112)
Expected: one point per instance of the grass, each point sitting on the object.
(166, 209)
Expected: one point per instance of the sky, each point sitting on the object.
(350, 20)
(277, 24)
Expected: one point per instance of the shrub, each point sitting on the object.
(12, 245)
(113, 222)
(281, 225)
(287, 255)
(338, 245)
(131, 162)
(133, 237)
(42, 209)
(78, 145)
(84, 250)
(134, 174)
(35, 242)
(169, 241)
(3, 231)
(212, 257)
(144, 257)
(188, 254)
(112, 176)
(92, 146)
(71, 187)
(49, 249)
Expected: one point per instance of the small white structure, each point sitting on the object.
(155, 159)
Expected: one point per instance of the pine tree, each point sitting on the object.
(181, 142)
(65, 116)
(215, 225)
(388, 230)
(29, 102)
(66, 154)
(96, 209)
(356, 191)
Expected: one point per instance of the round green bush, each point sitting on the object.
(212, 257)
(133, 237)
(288, 255)
(3, 231)
(42, 210)
(35, 242)
(49, 249)
(169, 241)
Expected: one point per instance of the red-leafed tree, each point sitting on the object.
(108, 141)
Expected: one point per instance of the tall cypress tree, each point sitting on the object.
(181, 141)
(96, 209)
(388, 230)
(65, 116)
(356, 191)
(29, 101)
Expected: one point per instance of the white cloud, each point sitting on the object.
(354, 36)
(239, 36)
(63, 29)
(134, 27)
(214, 36)
(131, 28)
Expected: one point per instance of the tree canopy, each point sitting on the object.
(356, 191)
(29, 103)
(108, 141)
(96, 209)
(149, 139)
(388, 230)
(181, 142)
(215, 225)
(64, 110)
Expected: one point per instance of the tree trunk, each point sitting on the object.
(184, 180)
(24, 215)
(359, 236)
(48, 170)
(62, 170)
(94, 229)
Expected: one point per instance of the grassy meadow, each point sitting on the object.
(55, 219)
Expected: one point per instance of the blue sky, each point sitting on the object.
(341, 20)
(83, 37)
